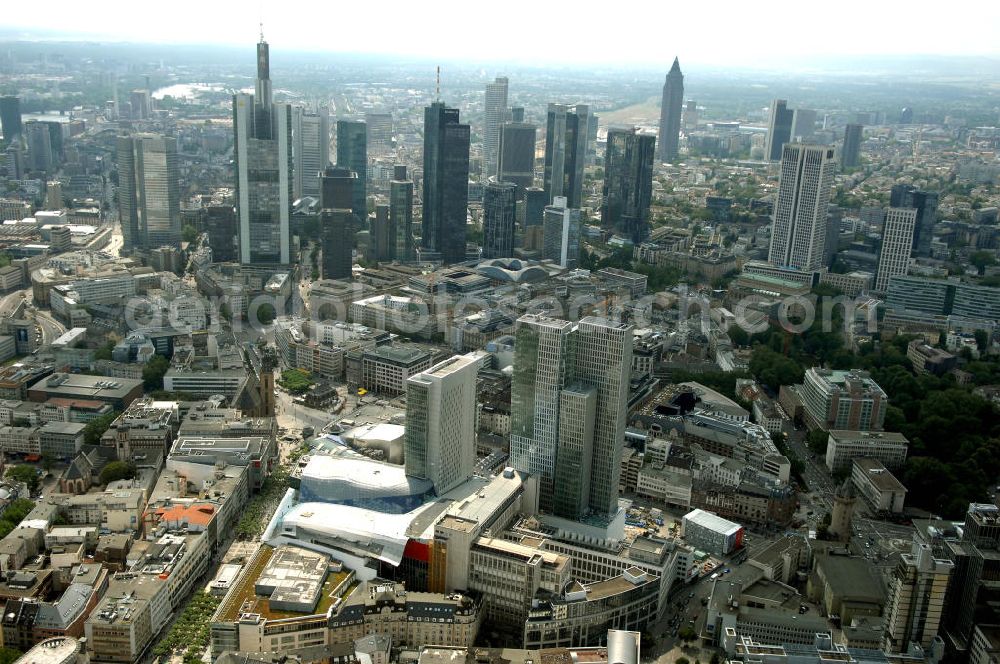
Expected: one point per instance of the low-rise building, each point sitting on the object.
(879, 487)
(929, 360)
(711, 533)
(843, 447)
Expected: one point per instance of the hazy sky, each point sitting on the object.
(559, 31)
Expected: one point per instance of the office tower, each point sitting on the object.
(850, 154)
(338, 222)
(263, 155)
(499, 210)
(440, 442)
(834, 215)
(583, 367)
(352, 153)
(141, 105)
(897, 241)
(53, 195)
(401, 215)
(690, 114)
(380, 234)
(798, 233)
(10, 117)
(544, 363)
(493, 117)
(56, 141)
(517, 155)
(671, 106)
(446, 183)
(310, 149)
(972, 593)
(15, 161)
(561, 233)
(39, 145)
(535, 202)
(916, 599)
(592, 122)
(803, 125)
(925, 203)
(517, 114)
(60, 239)
(779, 129)
(148, 191)
(565, 152)
(221, 226)
(379, 133)
(628, 183)
(906, 115)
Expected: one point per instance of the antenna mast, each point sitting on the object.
(438, 87)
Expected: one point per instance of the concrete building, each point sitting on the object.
(561, 234)
(843, 447)
(386, 369)
(897, 243)
(842, 400)
(711, 533)
(879, 487)
(916, 599)
(798, 234)
(927, 359)
(441, 422)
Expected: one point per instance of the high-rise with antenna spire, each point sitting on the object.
(263, 156)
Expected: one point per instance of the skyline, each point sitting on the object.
(411, 33)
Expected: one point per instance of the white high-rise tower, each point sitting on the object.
(798, 234)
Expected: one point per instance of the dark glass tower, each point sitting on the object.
(926, 204)
(446, 183)
(671, 107)
(401, 215)
(148, 191)
(10, 117)
(352, 153)
(499, 210)
(565, 152)
(779, 129)
(628, 183)
(338, 222)
(517, 155)
(850, 154)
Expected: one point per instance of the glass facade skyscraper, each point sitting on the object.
(401, 215)
(494, 111)
(311, 149)
(671, 106)
(926, 204)
(263, 156)
(779, 129)
(446, 183)
(352, 153)
(148, 191)
(499, 210)
(565, 152)
(628, 183)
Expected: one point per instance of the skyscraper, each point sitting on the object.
(10, 117)
(561, 234)
(338, 222)
(352, 153)
(39, 140)
(535, 202)
(517, 155)
(446, 183)
(779, 129)
(263, 155)
(897, 242)
(565, 374)
(379, 133)
(380, 234)
(926, 203)
(401, 215)
(493, 117)
(628, 183)
(499, 210)
(565, 152)
(141, 102)
(148, 191)
(220, 223)
(798, 234)
(916, 598)
(310, 149)
(671, 107)
(803, 124)
(850, 154)
(440, 442)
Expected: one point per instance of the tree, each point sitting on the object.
(817, 441)
(265, 313)
(683, 660)
(189, 233)
(153, 372)
(9, 655)
(26, 474)
(117, 470)
(96, 427)
(982, 340)
(104, 352)
(981, 260)
(738, 335)
(687, 633)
